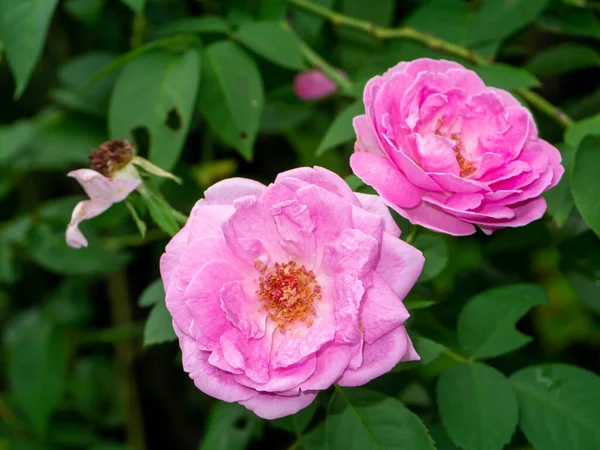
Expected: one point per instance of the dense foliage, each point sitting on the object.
(507, 325)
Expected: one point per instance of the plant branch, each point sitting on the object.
(410, 34)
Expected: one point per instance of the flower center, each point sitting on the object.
(287, 293)
(466, 167)
(111, 156)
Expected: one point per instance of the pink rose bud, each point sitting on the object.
(111, 181)
(313, 85)
(447, 152)
(279, 291)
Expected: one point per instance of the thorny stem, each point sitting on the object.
(410, 34)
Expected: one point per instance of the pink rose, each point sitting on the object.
(447, 152)
(313, 85)
(279, 291)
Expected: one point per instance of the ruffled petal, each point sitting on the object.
(272, 406)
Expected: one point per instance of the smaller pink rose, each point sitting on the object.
(314, 85)
(103, 193)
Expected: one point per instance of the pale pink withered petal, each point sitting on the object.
(313, 85)
(103, 193)
(448, 152)
(279, 291)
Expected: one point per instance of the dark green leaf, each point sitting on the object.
(359, 419)
(156, 91)
(230, 427)
(231, 96)
(478, 406)
(559, 198)
(559, 406)
(153, 294)
(273, 42)
(86, 11)
(498, 19)
(159, 326)
(486, 325)
(575, 133)
(315, 439)
(308, 25)
(563, 58)
(161, 212)
(204, 24)
(506, 77)
(380, 12)
(427, 349)
(36, 367)
(139, 223)
(572, 22)
(341, 130)
(137, 6)
(435, 250)
(23, 28)
(585, 182)
(354, 182)
(587, 288)
(297, 423)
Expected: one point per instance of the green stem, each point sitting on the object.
(455, 356)
(410, 34)
(413, 234)
(122, 315)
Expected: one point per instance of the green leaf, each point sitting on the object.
(204, 24)
(159, 326)
(580, 3)
(160, 211)
(446, 19)
(86, 11)
(585, 182)
(427, 349)
(354, 182)
(156, 91)
(36, 367)
(23, 28)
(575, 133)
(231, 96)
(359, 419)
(562, 58)
(559, 406)
(571, 21)
(478, 406)
(139, 223)
(341, 130)
(315, 439)
(559, 198)
(297, 423)
(273, 42)
(587, 288)
(435, 250)
(498, 19)
(154, 293)
(486, 325)
(380, 12)
(137, 6)
(506, 77)
(230, 427)
(308, 25)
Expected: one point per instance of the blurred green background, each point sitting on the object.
(74, 371)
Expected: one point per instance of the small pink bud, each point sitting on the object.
(313, 85)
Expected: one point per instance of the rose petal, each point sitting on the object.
(398, 257)
(270, 406)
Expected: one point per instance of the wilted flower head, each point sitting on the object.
(313, 85)
(447, 152)
(279, 291)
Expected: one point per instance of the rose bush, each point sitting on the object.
(448, 152)
(279, 291)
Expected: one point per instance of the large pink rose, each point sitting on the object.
(279, 291)
(447, 152)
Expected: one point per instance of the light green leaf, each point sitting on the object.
(273, 42)
(359, 419)
(154, 293)
(139, 223)
(559, 406)
(341, 130)
(23, 28)
(230, 427)
(498, 19)
(159, 326)
(137, 6)
(506, 77)
(156, 91)
(204, 24)
(36, 367)
(575, 133)
(585, 182)
(478, 406)
(486, 325)
(435, 250)
(562, 58)
(160, 211)
(231, 96)
(354, 182)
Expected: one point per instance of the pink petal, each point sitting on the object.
(249, 355)
(295, 229)
(525, 213)
(313, 85)
(107, 190)
(431, 65)
(381, 310)
(332, 361)
(367, 223)
(388, 181)
(227, 191)
(379, 358)
(353, 252)
(273, 406)
(172, 255)
(400, 265)
(374, 204)
(437, 154)
(554, 158)
(75, 237)
(286, 379)
(366, 140)
(85, 209)
(243, 310)
(349, 292)
(434, 218)
(207, 220)
(454, 183)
